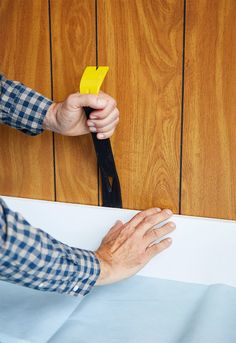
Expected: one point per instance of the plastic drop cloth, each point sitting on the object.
(137, 310)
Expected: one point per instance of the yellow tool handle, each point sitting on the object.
(92, 79)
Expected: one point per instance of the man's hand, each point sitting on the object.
(128, 247)
(68, 117)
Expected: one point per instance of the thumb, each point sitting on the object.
(113, 232)
(87, 100)
(116, 227)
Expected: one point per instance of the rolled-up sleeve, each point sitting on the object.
(21, 107)
(30, 257)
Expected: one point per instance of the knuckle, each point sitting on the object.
(102, 129)
(146, 220)
(113, 102)
(116, 113)
(140, 216)
(109, 131)
(171, 226)
(149, 220)
(156, 233)
(113, 124)
(167, 212)
(71, 97)
(127, 228)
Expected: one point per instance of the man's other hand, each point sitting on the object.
(68, 117)
(128, 247)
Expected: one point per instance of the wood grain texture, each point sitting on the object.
(209, 164)
(141, 41)
(73, 37)
(26, 167)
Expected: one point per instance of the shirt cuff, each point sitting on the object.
(85, 270)
(23, 108)
(81, 285)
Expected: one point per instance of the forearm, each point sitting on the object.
(21, 107)
(32, 258)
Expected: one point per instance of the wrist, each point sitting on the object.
(103, 278)
(50, 122)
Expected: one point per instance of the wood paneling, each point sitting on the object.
(141, 41)
(26, 167)
(74, 47)
(209, 163)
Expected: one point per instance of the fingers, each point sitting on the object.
(78, 100)
(148, 218)
(125, 251)
(106, 134)
(139, 217)
(148, 222)
(154, 234)
(110, 106)
(157, 248)
(105, 116)
(103, 123)
(105, 111)
(106, 131)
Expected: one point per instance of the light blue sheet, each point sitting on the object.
(139, 310)
(27, 315)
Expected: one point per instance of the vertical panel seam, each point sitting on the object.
(182, 109)
(52, 97)
(96, 57)
(96, 30)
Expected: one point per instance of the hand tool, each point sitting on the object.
(90, 83)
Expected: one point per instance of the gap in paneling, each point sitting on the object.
(52, 97)
(96, 39)
(182, 110)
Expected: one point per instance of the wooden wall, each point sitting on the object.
(172, 72)
(26, 167)
(209, 141)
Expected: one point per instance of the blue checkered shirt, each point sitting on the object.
(29, 256)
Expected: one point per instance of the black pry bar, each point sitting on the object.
(111, 191)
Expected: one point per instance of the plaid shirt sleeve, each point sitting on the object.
(21, 107)
(29, 256)
(32, 258)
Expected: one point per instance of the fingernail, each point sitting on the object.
(100, 135)
(158, 209)
(90, 123)
(167, 211)
(92, 129)
(172, 224)
(169, 240)
(92, 116)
